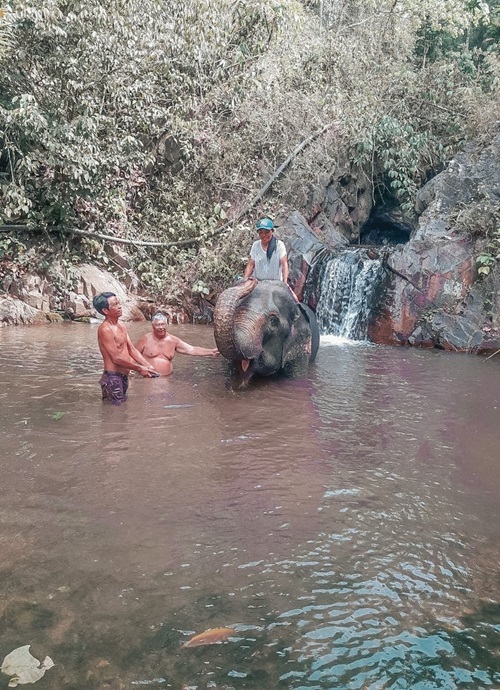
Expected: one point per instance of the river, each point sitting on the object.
(346, 526)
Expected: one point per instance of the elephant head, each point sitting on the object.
(261, 329)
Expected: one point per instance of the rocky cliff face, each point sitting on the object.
(436, 297)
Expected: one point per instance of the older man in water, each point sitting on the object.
(160, 346)
(117, 351)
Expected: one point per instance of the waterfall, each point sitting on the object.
(349, 289)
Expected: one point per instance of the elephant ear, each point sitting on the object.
(313, 324)
(302, 344)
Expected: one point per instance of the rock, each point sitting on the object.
(329, 233)
(122, 266)
(299, 237)
(435, 298)
(302, 245)
(94, 280)
(29, 288)
(117, 255)
(174, 314)
(148, 307)
(37, 300)
(342, 204)
(22, 617)
(14, 312)
(6, 282)
(449, 332)
(76, 306)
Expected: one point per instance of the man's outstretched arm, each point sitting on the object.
(187, 349)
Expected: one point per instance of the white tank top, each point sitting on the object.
(264, 269)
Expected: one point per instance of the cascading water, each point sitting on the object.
(349, 289)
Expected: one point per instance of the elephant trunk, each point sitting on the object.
(224, 320)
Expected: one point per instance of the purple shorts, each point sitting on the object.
(114, 387)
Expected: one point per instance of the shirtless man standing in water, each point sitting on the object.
(117, 351)
(159, 346)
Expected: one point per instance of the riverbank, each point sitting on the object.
(442, 286)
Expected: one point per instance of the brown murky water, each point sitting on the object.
(346, 526)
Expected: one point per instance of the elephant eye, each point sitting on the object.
(273, 321)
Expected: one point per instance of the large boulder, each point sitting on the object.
(93, 280)
(342, 203)
(14, 312)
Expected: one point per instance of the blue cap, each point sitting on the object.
(265, 224)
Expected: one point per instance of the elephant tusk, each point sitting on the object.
(245, 363)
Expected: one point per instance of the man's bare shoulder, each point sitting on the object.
(106, 326)
(103, 327)
(111, 328)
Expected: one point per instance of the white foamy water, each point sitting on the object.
(350, 288)
(339, 341)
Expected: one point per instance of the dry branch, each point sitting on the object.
(106, 238)
(139, 243)
(490, 356)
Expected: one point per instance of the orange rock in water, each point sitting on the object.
(211, 636)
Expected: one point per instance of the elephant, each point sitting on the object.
(262, 330)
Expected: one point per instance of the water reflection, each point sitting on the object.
(345, 525)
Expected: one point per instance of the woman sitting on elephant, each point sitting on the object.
(268, 259)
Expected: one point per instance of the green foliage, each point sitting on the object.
(486, 262)
(480, 220)
(10, 247)
(401, 152)
(488, 258)
(479, 34)
(93, 89)
(5, 41)
(201, 288)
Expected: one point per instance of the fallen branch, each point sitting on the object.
(386, 265)
(100, 236)
(140, 243)
(438, 107)
(11, 228)
(286, 163)
(490, 356)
